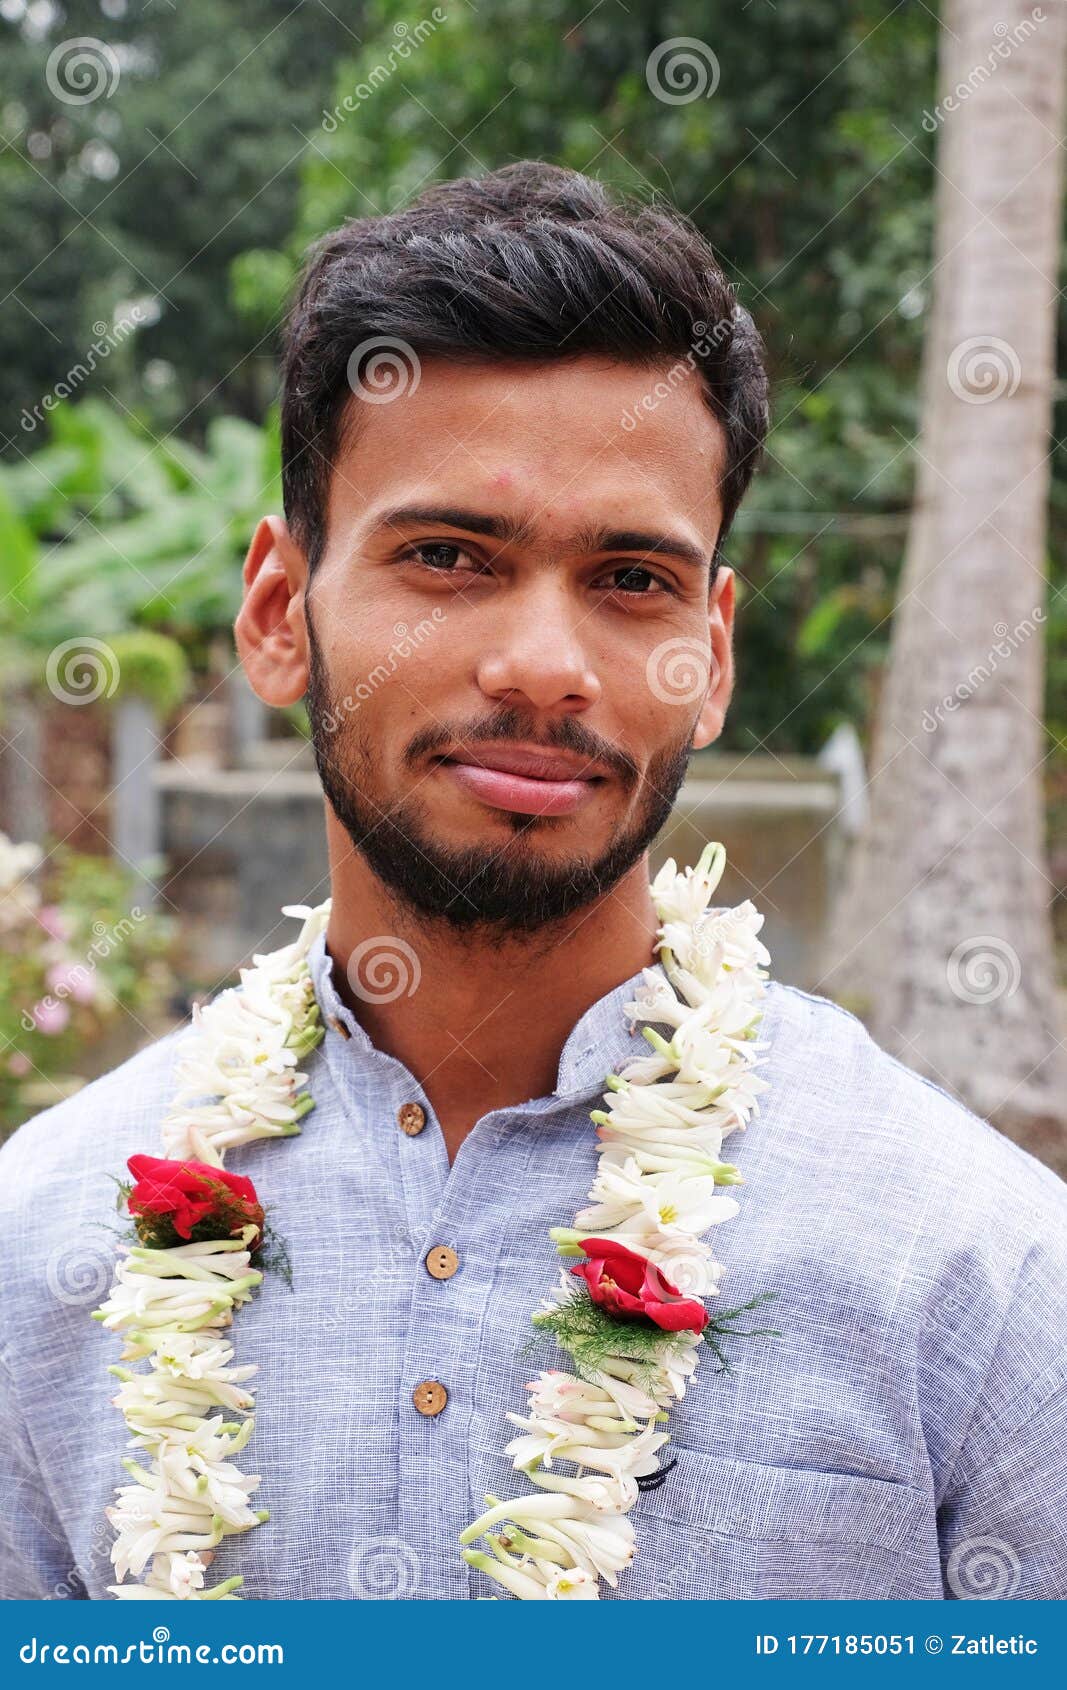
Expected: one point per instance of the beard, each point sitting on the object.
(489, 889)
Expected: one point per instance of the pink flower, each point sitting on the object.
(54, 922)
(72, 980)
(50, 1017)
(19, 1065)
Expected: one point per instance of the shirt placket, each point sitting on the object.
(451, 1241)
(451, 1299)
(456, 1233)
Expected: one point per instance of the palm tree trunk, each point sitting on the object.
(943, 938)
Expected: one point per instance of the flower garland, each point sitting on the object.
(634, 1322)
(632, 1325)
(175, 1293)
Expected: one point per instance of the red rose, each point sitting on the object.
(183, 1197)
(627, 1284)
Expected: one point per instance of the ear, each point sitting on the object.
(721, 683)
(270, 629)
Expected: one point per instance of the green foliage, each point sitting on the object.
(150, 193)
(110, 529)
(260, 285)
(18, 549)
(194, 188)
(153, 667)
(273, 1254)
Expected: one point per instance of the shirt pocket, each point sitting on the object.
(724, 1530)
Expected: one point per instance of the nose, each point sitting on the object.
(535, 653)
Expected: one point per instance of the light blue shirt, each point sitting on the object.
(904, 1437)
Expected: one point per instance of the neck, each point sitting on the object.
(488, 1018)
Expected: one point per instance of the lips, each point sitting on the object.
(525, 780)
(531, 763)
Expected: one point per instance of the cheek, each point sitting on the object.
(402, 673)
(651, 703)
(357, 641)
(678, 674)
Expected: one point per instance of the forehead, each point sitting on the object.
(559, 443)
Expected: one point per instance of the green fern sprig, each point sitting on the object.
(592, 1337)
(719, 1327)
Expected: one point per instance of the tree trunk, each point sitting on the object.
(943, 938)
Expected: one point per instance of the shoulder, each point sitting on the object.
(902, 1217)
(913, 1218)
(57, 1181)
(869, 1105)
(904, 1186)
(95, 1124)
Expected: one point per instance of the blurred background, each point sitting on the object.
(882, 183)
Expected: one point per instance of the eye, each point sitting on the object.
(443, 556)
(634, 580)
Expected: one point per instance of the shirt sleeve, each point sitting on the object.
(36, 1561)
(1002, 1522)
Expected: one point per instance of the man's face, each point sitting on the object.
(508, 566)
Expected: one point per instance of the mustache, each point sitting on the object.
(564, 734)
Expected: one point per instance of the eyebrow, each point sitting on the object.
(637, 540)
(516, 532)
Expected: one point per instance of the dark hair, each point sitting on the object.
(529, 263)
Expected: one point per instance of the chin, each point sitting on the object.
(506, 828)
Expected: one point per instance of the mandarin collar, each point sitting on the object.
(601, 1041)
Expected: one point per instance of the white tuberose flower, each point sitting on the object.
(170, 1303)
(569, 1584)
(656, 1191)
(614, 1453)
(632, 1205)
(684, 897)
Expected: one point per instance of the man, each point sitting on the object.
(518, 420)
